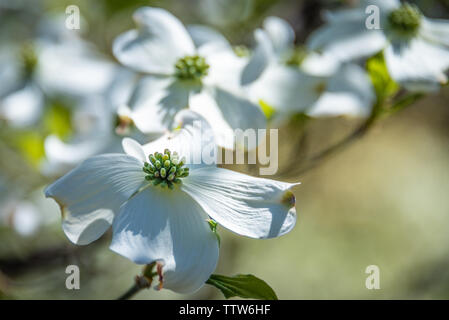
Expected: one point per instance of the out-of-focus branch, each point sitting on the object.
(379, 111)
(45, 258)
(131, 292)
(315, 160)
(40, 259)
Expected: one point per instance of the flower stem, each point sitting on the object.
(140, 282)
(131, 292)
(317, 159)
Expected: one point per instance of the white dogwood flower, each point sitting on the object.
(92, 127)
(60, 81)
(92, 132)
(416, 48)
(46, 70)
(270, 80)
(160, 198)
(182, 72)
(322, 86)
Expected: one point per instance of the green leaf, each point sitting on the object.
(242, 285)
(148, 270)
(384, 85)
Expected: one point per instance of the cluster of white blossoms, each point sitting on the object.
(193, 68)
(320, 86)
(162, 206)
(61, 73)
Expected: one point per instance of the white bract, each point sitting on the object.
(346, 88)
(160, 210)
(184, 71)
(322, 86)
(416, 48)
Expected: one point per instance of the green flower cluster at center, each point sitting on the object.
(405, 20)
(165, 169)
(191, 68)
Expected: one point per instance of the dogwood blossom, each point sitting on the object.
(159, 201)
(415, 47)
(321, 86)
(267, 76)
(41, 70)
(183, 73)
(59, 69)
(93, 127)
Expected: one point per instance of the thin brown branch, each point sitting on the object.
(131, 292)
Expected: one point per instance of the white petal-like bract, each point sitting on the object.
(171, 228)
(348, 92)
(260, 59)
(156, 101)
(281, 34)
(93, 192)
(249, 206)
(192, 139)
(156, 45)
(287, 89)
(418, 65)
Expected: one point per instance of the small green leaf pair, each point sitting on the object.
(242, 285)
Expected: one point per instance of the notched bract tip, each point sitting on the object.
(288, 199)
